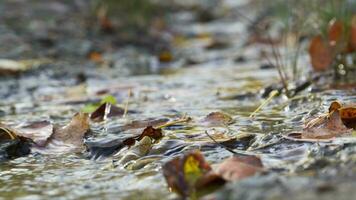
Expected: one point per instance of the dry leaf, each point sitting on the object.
(38, 132)
(347, 113)
(105, 111)
(320, 54)
(189, 173)
(353, 33)
(237, 168)
(107, 148)
(336, 31)
(217, 119)
(68, 138)
(325, 127)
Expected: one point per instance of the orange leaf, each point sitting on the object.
(95, 57)
(353, 33)
(336, 29)
(320, 54)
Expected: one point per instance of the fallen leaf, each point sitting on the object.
(11, 145)
(347, 113)
(106, 148)
(217, 119)
(38, 132)
(336, 31)
(237, 168)
(151, 132)
(188, 173)
(139, 150)
(165, 56)
(353, 33)
(320, 54)
(68, 138)
(89, 108)
(95, 57)
(106, 111)
(325, 127)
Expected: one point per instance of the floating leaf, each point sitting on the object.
(217, 119)
(320, 54)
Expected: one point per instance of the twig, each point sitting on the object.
(127, 103)
(221, 145)
(12, 136)
(181, 120)
(264, 103)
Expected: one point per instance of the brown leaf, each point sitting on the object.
(320, 54)
(217, 119)
(151, 132)
(68, 138)
(105, 111)
(95, 57)
(107, 148)
(347, 113)
(353, 33)
(325, 127)
(188, 173)
(38, 132)
(237, 168)
(336, 31)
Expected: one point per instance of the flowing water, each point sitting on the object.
(216, 82)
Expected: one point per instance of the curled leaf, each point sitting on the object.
(347, 113)
(327, 127)
(68, 138)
